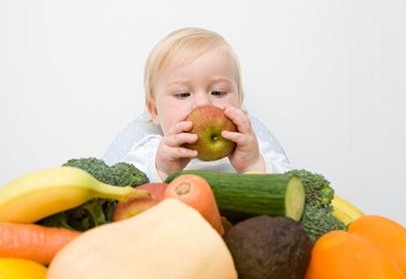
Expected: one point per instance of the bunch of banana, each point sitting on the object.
(345, 211)
(42, 193)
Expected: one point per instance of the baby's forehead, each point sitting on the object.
(184, 56)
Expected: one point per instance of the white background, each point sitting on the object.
(326, 77)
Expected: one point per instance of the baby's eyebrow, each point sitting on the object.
(221, 79)
(178, 82)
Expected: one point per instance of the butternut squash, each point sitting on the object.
(170, 240)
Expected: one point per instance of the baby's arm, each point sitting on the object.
(171, 156)
(246, 156)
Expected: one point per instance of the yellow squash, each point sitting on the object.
(14, 268)
(344, 210)
(170, 240)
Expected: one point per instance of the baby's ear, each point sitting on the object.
(153, 112)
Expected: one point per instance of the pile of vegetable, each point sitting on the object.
(315, 242)
(72, 220)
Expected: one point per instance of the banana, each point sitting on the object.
(44, 192)
(345, 211)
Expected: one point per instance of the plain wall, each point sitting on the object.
(326, 77)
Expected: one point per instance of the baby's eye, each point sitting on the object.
(182, 95)
(218, 93)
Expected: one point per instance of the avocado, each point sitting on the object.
(265, 247)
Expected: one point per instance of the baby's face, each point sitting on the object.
(208, 80)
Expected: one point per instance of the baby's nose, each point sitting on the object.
(202, 100)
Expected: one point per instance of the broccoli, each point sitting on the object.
(126, 174)
(317, 218)
(98, 211)
(120, 174)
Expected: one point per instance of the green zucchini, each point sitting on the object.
(240, 196)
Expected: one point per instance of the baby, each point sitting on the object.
(189, 68)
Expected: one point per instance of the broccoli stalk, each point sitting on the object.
(98, 211)
(317, 218)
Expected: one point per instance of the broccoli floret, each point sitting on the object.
(127, 174)
(317, 218)
(93, 213)
(318, 190)
(97, 211)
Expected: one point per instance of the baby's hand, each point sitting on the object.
(246, 156)
(171, 156)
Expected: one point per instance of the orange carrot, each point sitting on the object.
(197, 193)
(33, 242)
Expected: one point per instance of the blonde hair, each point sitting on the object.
(186, 44)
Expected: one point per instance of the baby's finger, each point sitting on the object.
(180, 127)
(180, 139)
(236, 137)
(239, 118)
(182, 152)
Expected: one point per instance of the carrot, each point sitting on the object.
(33, 242)
(197, 193)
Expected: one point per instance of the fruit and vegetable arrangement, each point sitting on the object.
(67, 222)
(87, 219)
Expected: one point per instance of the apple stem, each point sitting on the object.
(183, 188)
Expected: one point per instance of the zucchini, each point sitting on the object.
(240, 196)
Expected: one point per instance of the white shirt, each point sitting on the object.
(138, 143)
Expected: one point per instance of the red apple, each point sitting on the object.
(156, 190)
(208, 123)
(133, 206)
